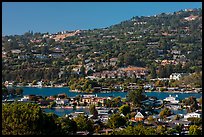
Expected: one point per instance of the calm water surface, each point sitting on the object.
(54, 91)
(62, 111)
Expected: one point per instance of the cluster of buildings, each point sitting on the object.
(140, 114)
(137, 72)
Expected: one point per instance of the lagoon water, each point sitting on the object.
(62, 111)
(54, 91)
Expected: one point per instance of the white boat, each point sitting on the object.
(172, 99)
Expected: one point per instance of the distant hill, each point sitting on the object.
(161, 40)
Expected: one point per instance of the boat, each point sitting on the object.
(172, 99)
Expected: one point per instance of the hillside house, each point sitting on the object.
(177, 76)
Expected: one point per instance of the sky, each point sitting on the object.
(52, 17)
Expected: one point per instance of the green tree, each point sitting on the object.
(93, 111)
(165, 113)
(116, 121)
(82, 71)
(178, 128)
(4, 90)
(194, 130)
(153, 72)
(136, 96)
(68, 126)
(136, 130)
(125, 109)
(150, 119)
(19, 91)
(160, 130)
(83, 123)
(200, 101)
(27, 119)
(162, 72)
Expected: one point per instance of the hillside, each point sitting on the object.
(170, 42)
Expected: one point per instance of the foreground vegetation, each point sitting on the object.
(29, 119)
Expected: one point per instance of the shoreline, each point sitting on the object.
(77, 91)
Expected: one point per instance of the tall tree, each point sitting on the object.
(153, 72)
(136, 96)
(27, 119)
(116, 121)
(68, 126)
(125, 109)
(83, 123)
(93, 111)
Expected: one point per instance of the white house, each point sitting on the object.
(61, 101)
(193, 114)
(176, 76)
(139, 116)
(25, 98)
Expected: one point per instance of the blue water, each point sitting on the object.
(62, 111)
(54, 91)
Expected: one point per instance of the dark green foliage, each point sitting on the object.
(165, 113)
(127, 40)
(137, 130)
(125, 109)
(195, 130)
(27, 119)
(116, 120)
(93, 111)
(136, 96)
(83, 123)
(68, 126)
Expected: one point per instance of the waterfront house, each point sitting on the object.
(25, 98)
(39, 84)
(104, 118)
(193, 114)
(61, 101)
(87, 100)
(139, 116)
(99, 100)
(44, 102)
(61, 96)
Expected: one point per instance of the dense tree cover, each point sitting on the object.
(192, 102)
(83, 84)
(136, 130)
(195, 121)
(124, 109)
(93, 111)
(84, 123)
(165, 113)
(136, 96)
(116, 120)
(27, 119)
(4, 90)
(194, 80)
(68, 126)
(195, 130)
(11, 91)
(114, 102)
(129, 40)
